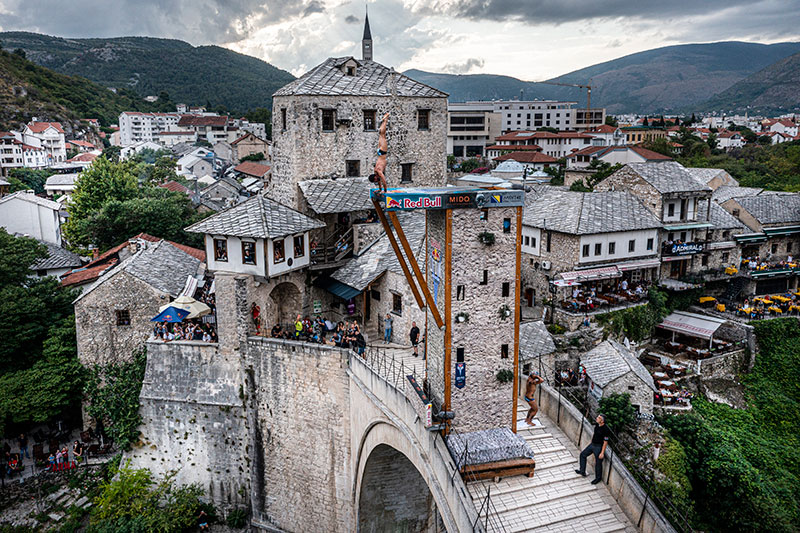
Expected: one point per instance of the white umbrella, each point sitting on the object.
(196, 309)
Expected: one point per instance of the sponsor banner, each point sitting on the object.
(686, 248)
(461, 375)
(404, 200)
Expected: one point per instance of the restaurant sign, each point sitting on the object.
(686, 248)
(448, 198)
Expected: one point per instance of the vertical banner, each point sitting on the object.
(436, 269)
(461, 375)
(428, 415)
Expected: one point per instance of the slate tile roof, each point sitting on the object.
(773, 208)
(379, 257)
(58, 257)
(62, 179)
(585, 213)
(720, 218)
(258, 217)
(705, 175)
(534, 340)
(27, 197)
(371, 79)
(610, 360)
(668, 177)
(161, 265)
(341, 195)
(726, 192)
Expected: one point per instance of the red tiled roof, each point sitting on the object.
(514, 135)
(81, 143)
(727, 134)
(787, 122)
(251, 168)
(527, 157)
(605, 128)
(589, 150)
(194, 120)
(516, 147)
(173, 186)
(88, 156)
(649, 154)
(39, 127)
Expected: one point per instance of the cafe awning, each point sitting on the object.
(345, 292)
(693, 225)
(784, 230)
(750, 237)
(691, 324)
(591, 274)
(636, 265)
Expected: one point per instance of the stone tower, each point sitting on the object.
(366, 41)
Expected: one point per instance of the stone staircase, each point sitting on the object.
(556, 499)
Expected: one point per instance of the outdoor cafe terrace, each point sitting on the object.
(598, 290)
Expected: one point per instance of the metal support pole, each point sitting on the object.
(488, 503)
(558, 416)
(644, 508)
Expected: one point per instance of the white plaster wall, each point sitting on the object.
(621, 239)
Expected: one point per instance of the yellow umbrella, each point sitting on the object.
(196, 309)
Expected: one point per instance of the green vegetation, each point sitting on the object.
(673, 465)
(113, 394)
(135, 501)
(28, 178)
(743, 463)
(620, 414)
(602, 171)
(40, 377)
(56, 96)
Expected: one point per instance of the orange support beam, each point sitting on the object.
(415, 267)
(517, 295)
(448, 277)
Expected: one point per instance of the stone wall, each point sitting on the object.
(727, 365)
(100, 339)
(364, 235)
(193, 420)
(301, 394)
(434, 336)
(303, 151)
(625, 179)
(563, 256)
(641, 395)
(387, 285)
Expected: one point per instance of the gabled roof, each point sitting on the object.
(246, 135)
(202, 120)
(516, 147)
(85, 144)
(720, 218)
(57, 257)
(86, 156)
(379, 256)
(706, 175)
(370, 79)
(585, 213)
(258, 217)
(251, 168)
(174, 186)
(667, 177)
(28, 197)
(605, 128)
(527, 157)
(772, 208)
(39, 127)
(610, 360)
(726, 192)
(342, 195)
(534, 340)
(62, 179)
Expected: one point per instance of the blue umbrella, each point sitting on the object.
(171, 314)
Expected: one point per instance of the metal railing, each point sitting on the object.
(643, 476)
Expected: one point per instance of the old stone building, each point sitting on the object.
(614, 369)
(247, 145)
(112, 316)
(326, 123)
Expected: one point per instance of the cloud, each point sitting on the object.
(616, 43)
(465, 67)
(352, 19)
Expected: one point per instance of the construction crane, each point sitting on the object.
(580, 86)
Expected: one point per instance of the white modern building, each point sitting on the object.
(24, 213)
(50, 137)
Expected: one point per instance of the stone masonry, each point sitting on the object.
(626, 179)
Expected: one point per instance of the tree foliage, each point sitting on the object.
(620, 414)
(113, 394)
(31, 178)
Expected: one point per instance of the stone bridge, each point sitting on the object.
(315, 438)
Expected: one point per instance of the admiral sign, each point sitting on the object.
(408, 199)
(686, 248)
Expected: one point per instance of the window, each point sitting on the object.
(670, 210)
(650, 244)
(735, 212)
(405, 174)
(221, 250)
(632, 245)
(459, 292)
(299, 246)
(283, 119)
(397, 304)
(533, 242)
(123, 317)
(585, 251)
(328, 119)
(548, 242)
(683, 236)
(278, 253)
(352, 168)
(527, 240)
(631, 387)
(351, 71)
(726, 234)
(598, 248)
(725, 257)
(460, 354)
(704, 260)
(774, 248)
(484, 214)
(369, 120)
(504, 351)
(485, 280)
(506, 225)
(423, 119)
(506, 289)
(249, 252)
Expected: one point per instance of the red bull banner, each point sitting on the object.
(447, 198)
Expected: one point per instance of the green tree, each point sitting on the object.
(611, 121)
(259, 156)
(261, 115)
(620, 414)
(661, 145)
(31, 178)
(112, 153)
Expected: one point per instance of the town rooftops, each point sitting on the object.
(773, 208)
(720, 218)
(707, 175)
(516, 147)
(30, 197)
(343, 195)
(258, 217)
(39, 127)
(534, 340)
(582, 213)
(370, 79)
(726, 192)
(60, 180)
(174, 186)
(668, 177)
(600, 151)
(251, 168)
(527, 157)
(57, 257)
(202, 120)
(610, 360)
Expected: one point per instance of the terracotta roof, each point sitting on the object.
(251, 168)
(589, 150)
(88, 156)
(516, 147)
(605, 128)
(194, 120)
(516, 135)
(173, 186)
(246, 135)
(527, 157)
(727, 134)
(649, 154)
(39, 127)
(787, 122)
(81, 143)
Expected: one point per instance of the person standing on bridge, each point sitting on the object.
(414, 336)
(383, 149)
(534, 380)
(596, 447)
(387, 328)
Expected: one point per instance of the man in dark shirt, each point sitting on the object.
(597, 448)
(414, 336)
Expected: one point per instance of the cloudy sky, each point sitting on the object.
(528, 39)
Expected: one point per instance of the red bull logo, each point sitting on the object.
(422, 203)
(392, 203)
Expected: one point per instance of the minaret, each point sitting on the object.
(366, 41)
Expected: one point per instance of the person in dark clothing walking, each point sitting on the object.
(597, 448)
(414, 336)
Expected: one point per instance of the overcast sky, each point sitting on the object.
(528, 39)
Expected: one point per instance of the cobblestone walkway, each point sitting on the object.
(556, 499)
